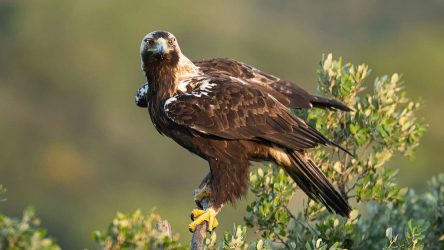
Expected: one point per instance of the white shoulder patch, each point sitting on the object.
(168, 102)
(204, 88)
(183, 85)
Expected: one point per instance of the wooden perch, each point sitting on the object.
(197, 241)
(199, 234)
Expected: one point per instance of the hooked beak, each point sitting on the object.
(160, 48)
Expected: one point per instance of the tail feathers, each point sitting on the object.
(322, 102)
(315, 184)
(316, 135)
(341, 148)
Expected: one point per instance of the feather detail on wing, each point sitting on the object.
(288, 93)
(226, 108)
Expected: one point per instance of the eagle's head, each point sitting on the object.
(159, 48)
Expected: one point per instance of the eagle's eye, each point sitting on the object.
(171, 42)
(149, 41)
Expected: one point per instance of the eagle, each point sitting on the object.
(229, 114)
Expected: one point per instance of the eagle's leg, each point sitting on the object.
(203, 191)
(227, 181)
(205, 212)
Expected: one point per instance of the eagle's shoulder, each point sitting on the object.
(219, 84)
(237, 69)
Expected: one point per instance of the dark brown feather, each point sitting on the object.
(285, 91)
(233, 111)
(314, 183)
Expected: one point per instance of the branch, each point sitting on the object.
(197, 241)
(199, 234)
(306, 226)
(165, 227)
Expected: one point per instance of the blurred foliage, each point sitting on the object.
(2, 191)
(73, 142)
(136, 231)
(24, 233)
(384, 122)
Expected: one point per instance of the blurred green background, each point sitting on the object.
(74, 145)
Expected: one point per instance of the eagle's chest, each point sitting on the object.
(159, 118)
(162, 90)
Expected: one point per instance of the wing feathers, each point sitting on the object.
(248, 114)
(286, 92)
(322, 102)
(314, 183)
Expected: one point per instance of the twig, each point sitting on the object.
(283, 241)
(306, 226)
(165, 227)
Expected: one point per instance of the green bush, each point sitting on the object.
(24, 233)
(137, 231)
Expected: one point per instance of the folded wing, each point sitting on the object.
(229, 109)
(288, 93)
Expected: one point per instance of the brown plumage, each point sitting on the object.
(285, 91)
(230, 118)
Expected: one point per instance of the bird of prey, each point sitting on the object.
(229, 114)
(286, 92)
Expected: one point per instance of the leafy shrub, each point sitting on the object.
(137, 231)
(24, 233)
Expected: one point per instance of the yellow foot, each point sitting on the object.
(200, 216)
